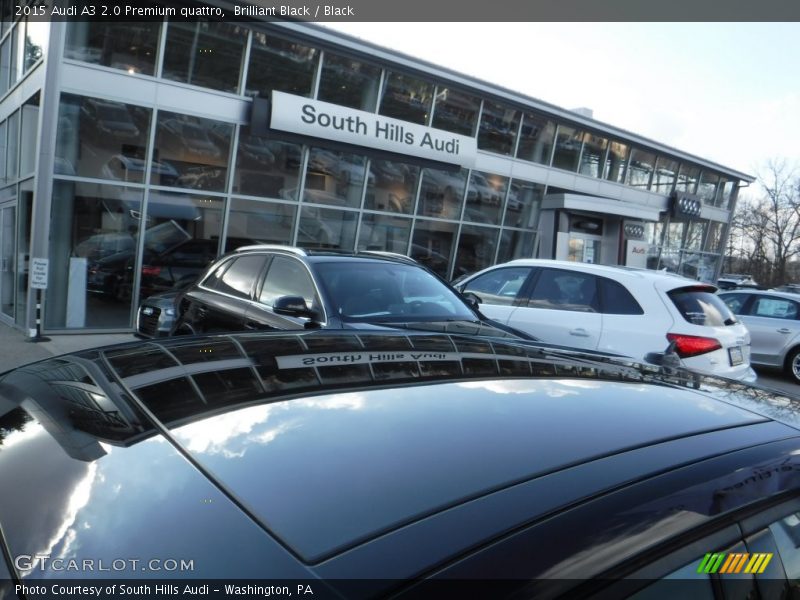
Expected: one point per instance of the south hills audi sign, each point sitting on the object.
(295, 114)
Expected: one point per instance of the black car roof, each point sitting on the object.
(332, 440)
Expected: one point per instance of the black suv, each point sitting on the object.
(283, 287)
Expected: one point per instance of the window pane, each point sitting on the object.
(476, 248)
(277, 64)
(456, 111)
(524, 201)
(640, 167)
(384, 232)
(334, 178)
(498, 130)
(485, 196)
(128, 46)
(181, 239)
(349, 82)
(536, 139)
(252, 221)
(725, 192)
(499, 286)
(3, 127)
(191, 152)
(707, 188)
(93, 239)
(687, 179)
(664, 176)
(238, 280)
(568, 148)
(287, 277)
(36, 38)
(773, 307)
(433, 244)
(12, 147)
(593, 155)
(515, 244)
(327, 228)
(407, 98)
(392, 186)
(714, 238)
(616, 161)
(565, 290)
(694, 235)
(5, 65)
(442, 193)
(101, 138)
(29, 138)
(616, 300)
(205, 54)
(266, 167)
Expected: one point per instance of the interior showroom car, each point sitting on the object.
(773, 319)
(633, 312)
(264, 287)
(364, 464)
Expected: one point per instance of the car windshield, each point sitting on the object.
(386, 292)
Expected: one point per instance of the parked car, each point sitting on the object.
(613, 309)
(773, 319)
(282, 287)
(391, 464)
(156, 314)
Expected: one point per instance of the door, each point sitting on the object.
(8, 264)
(562, 308)
(774, 325)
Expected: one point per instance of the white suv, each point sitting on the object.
(615, 309)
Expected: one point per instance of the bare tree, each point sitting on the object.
(766, 227)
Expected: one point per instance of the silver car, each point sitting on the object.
(773, 319)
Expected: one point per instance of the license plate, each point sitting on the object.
(736, 355)
(147, 311)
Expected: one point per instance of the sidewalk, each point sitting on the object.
(16, 350)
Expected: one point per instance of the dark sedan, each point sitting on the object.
(399, 464)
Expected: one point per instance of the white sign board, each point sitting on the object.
(314, 118)
(636, 254)
(39, 268)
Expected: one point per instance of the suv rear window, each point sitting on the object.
(700, 306)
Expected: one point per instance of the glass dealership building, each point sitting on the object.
(132, 154)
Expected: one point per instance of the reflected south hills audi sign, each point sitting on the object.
(314, 118)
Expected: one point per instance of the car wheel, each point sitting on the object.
(793, 365)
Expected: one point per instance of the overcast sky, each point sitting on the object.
(727, 92)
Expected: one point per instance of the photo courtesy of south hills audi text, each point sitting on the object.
(75, 591)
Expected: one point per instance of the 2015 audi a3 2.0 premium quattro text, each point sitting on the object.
(369, 464)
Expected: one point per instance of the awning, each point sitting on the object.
(600, 205)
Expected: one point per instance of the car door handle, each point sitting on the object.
(784, 330)
(251, 325)
(579, 332)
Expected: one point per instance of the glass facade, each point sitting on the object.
(164, 192)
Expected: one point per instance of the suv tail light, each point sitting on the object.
(151, 271)
(692, 345)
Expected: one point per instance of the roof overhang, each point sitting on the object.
(598, 204)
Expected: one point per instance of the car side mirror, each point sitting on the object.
(472, 299)
(292, 306)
